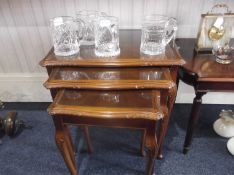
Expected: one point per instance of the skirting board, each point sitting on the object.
(23, 87)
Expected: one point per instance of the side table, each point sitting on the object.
(206, 75)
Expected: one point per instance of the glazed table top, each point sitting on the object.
(109, 78)
(130, 55)
(129, 104)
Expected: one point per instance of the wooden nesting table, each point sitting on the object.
(111, 92)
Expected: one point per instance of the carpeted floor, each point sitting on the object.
(116, 151)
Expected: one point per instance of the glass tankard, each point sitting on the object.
(222, 51)
(64, 35)
(107, 36)
(157, 32)
(88, 17)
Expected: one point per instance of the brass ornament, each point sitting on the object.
(217, 31)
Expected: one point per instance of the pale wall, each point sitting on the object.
(25, 39)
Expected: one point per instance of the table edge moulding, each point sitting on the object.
(130, 55)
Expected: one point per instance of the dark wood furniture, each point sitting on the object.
(205, 75)
(129, 72)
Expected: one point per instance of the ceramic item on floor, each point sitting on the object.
(230, 145)
(224, 126)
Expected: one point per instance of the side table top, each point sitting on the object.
(130, 55)
(203, 66)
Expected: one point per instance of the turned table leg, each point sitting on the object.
(65, 145)
(192, 120)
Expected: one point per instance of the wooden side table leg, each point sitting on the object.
(87, 138)
(65, 145)
(143, 137)
(192, 120)
(151, 143)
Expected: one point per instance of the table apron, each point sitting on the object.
(214, 86)
(108, 122)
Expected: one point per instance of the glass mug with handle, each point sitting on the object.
(107, 36)
(64, 35)
(157, 32)
(88, 17)
(222, 51)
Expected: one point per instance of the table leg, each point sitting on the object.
(163, 124)
(87, 138)
(165, 121)
(192, 120)
(143, 143)
(151, 144)
(161, 135)
(67, 136)
(64, 144)
(174, 70)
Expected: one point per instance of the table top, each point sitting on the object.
(128, 104)
(204, 66)
(110, 78)
(130, 55)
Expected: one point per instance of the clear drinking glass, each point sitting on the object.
(107, 36)
(64, 34)
(222, 52)
(157, 32)
(89, 17)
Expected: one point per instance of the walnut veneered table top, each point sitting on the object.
(130, 55)
(110, 78)
(127, 104)
(203, 66)
(206, 68)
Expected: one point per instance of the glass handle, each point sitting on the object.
(219, 7)
(81, 29)
(171, 30)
